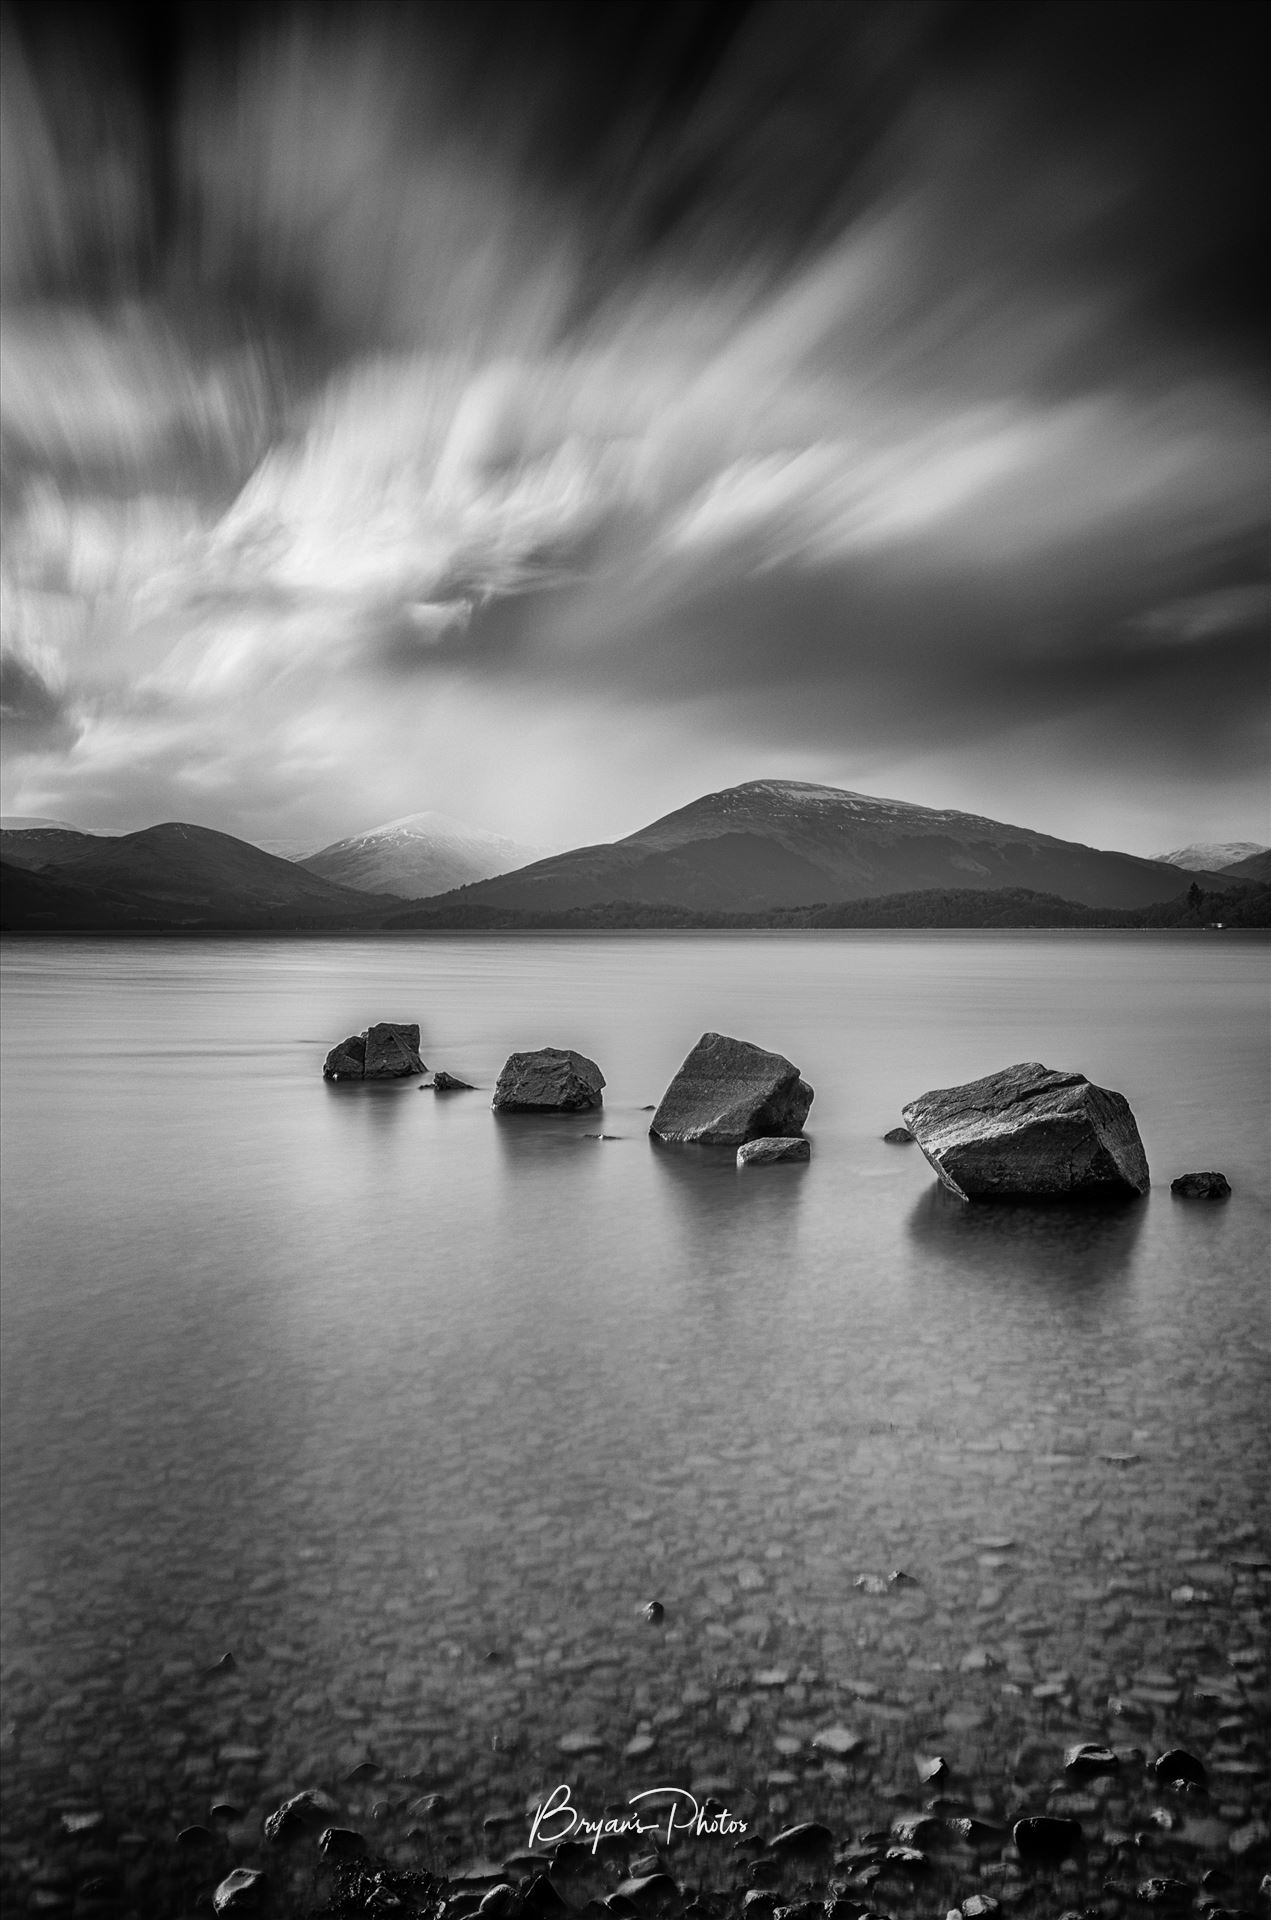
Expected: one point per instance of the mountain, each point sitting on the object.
(418, 855)
(1257, 866)
(1211, 856)
(776, 843)
(173, 875)
(42, 846)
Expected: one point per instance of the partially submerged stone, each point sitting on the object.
(1201, 1186)
(443, 1082)
(898, 1137)
(242, 1891)
(550, 1080)
(728, 1092)
(1030, 1130)
(765, 1152)
(387, 1051)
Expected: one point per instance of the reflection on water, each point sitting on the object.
(362, 1384)
(1066, 1243)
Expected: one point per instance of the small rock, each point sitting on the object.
(647, 1891)
(655, 1613)
(226, 1664)
(917, 1829)
(341, 1843)
(303, 1813)
(1201, 1186)
(242, 1891)
(932, 1768)
(769, 1149)
(840, 1741)
(387, 1051)
(364, 1770)
(1045, 1839)
(581, 1741)
(501, 1902)
(195, 1837)
(446, 1083)
(1178, 1764)
(977, 1904)
(809, 1838)
(550, 1080)
(1085, 1759)
(1164, 1893)
(898, 1137)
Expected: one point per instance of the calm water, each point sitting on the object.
(411, 1409)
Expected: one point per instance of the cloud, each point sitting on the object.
(833, 382)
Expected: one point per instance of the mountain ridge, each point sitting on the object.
(772, 843)
(419, 854)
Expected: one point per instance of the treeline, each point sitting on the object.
(1243, 906)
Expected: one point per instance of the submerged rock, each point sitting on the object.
(1044, 1839)
(898, 1137)
(728, 1092)
(387, 1051)
(443, 1082)
(1201, 1186)
(766, 1151)
(551, 1080)
(1030, 1130)
(242, 1891)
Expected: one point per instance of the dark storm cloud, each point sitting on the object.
(835, 374)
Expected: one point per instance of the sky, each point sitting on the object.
(548, 413)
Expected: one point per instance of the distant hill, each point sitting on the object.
(419, 855)
(42, 846)
(775, 843)
(1212, 856)
(1237, 906)
(174, 875)
(1257, 866)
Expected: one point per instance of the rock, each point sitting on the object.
(347, 1060)
(1201, 1186)
(933, 1768)
(195, 1837)
(443, 1082)
(1086, 1759)
(898, 1137)
(728, 1091)
(551, 1080)
(243, 1891)
(502, 1901)
(654, 1613)
(1044, 1839)
(387, 1051)
(766, 1151)
(798, 1843)
(1030, 1130)
(1164, 1893)
(392, 1052)
(648, 1891)
(301, 1814)
(341, 1843)
(839, 1741)
(1178, 1764)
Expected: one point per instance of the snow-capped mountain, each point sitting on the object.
(789, 842)
(1212, 856)
(419, 855)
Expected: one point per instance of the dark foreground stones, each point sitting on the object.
(1043, 1839)
(1030, 1131)
(728, 1092)
(243, 1891)
(387, 1051)
(1201, 1186)
(551, 1080)
(767, 1151)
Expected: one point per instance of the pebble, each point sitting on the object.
(243, 1891)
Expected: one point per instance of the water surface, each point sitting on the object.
(411, 1407)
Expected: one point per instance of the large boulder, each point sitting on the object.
(1030, 1130)
(728, 1091)
(551, 1080)
(386, 1051)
